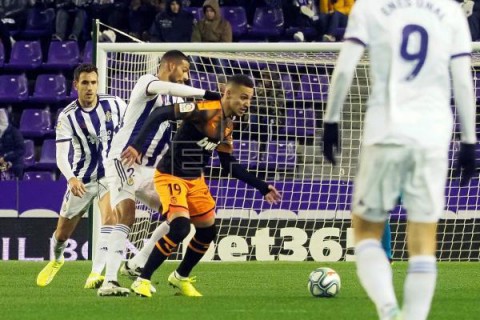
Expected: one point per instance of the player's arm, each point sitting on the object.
(64, 134)
(341, 81)
(232, 167)
(156, 87)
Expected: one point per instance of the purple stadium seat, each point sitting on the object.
(36, 123)
(49, 88)
(39, 176)
(299, 123)
(207, 81)
(29, 158)
(237, 18)
(267, 22)
(39, 23)
(73, 94)
(246, 153)
(63, 55)
(48, 159)
(281, 155)
(13, 88)
(88, 52)
(287, 85)
(26, 55)
(197, 12)
(2, 55)
(313, 87)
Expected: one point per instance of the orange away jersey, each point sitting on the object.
(204, 129)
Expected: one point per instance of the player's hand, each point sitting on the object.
(331, 138)
(273, 196)
(77, 188)
(130, 155)
(466, 167)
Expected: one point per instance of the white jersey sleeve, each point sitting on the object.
(357, 27)
(63, 129)
(462, 41)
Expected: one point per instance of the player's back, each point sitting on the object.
(139, 107)
(411, 43)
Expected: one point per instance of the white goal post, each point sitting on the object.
(280, 140)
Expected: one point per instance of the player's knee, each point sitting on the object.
(206, 235)
(179, 229)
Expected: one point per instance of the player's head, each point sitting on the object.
(238, 94)
(85, 80)
(174, 67)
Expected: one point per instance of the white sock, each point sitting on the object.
(116, 250)
(58, 247)
(142, 256)
(101, 251)
(419, 287)
(375, 274)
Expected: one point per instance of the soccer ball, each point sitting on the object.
(324, 282)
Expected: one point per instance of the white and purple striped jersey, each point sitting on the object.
(90, 133)
(411, 44)
(139, 107)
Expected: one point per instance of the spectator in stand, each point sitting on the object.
(338, 11)
(173, 25)
(304, 14)
(12, 16)
(140, 17)
(111, 12)
(6, 41)
(212, 27)
(472, 12)
(12, 149)
(66, 11)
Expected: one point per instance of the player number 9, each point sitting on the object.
(414, 32)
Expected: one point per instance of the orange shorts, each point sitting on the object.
(179, 195)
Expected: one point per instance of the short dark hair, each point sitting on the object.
(174, 55)
(84, 67)
(241, 80)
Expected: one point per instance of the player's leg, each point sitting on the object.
(424, 200)
(202, 215)
(172, 192)
(108, 220)
(377, 187)
(387, 240)
(146, 194)
(122, 199)
(71, 212)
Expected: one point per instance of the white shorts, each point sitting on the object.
(73, 206)
(388, 172)
(135, 182)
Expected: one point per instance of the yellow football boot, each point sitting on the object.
(48, 272)
(94, 281)
(184, 285)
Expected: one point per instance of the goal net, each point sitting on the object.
(280, 141)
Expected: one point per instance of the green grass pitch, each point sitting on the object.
(251, 290)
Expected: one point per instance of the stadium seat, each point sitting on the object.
(237, 18)
(299, 123)
(39, 24)
(88, 52)
(26, 55)
(62, 55)
(267, 22)
(281, 155)
(48, 159)
(121, 85)
(2, 55)
(13, 88)
(49, 88)
(73, 94)
(206, 81)
(29, 158)
(36, 123)
(287, 85)
(196, 12)
(39, 176)
(246, 152)
(313, 88)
